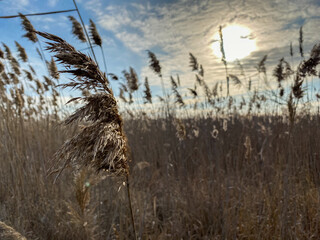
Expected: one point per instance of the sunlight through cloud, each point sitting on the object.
(237, 40)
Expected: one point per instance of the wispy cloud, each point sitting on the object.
(174, 29)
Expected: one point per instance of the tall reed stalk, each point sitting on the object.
(101, 144)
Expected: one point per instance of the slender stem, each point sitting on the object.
(130, 206)
(166, 96)
(85, 30)
(104, 61)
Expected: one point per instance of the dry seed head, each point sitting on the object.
(94, 34)
(7, 51)
(193, 62)
(22, 52)
(5, 77)
(28, 75)
(77, 29)
(54, 73)
(147, 92)
(14, 78)
(15, 66)
(154, 63)
(101, 144)
(193, 92)
(121, 95)
(27, 26)
(132, 79)
(301, 42)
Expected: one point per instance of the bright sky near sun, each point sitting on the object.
(172, 29)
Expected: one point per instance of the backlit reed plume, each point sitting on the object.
(306, 68)
(282, 71)
(236, 81)
(28, 75)
(8, 233)
(101, 144)
(8, 54)
(77, 29)
(147, 92)
(193, 62)
(22, 52)
(121, 95)
(53, 70)
(193, 92)
(154, 63)
(132, 79)
(176, 93)
(95, 36)
(27, 26)
(301, 42)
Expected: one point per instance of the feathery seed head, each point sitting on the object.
(101, 144)
(77, 29)
(94, 34)
(27, 26)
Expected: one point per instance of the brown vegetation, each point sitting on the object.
(214, 168)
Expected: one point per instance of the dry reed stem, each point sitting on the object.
(101, 143)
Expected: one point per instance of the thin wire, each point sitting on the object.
(37, 14)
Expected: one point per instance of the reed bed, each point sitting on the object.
(215, 168)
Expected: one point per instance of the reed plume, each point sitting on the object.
(154, 63)
(28, 27)
(132, 79)
(95, 36)
(236, 81)
(121, 95)
(53, 70)
(147, 92)
(177, 95)
(77, 29)
(301, 42)
(28, 75)
(102, 143)
(193, 92)
(22, 52)
(193, 62)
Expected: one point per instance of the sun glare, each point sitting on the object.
(237, 41)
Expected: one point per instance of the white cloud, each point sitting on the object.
(188, 26)
(52, 3)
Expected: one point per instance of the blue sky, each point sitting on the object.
(172, 29)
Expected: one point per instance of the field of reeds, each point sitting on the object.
(206, 166)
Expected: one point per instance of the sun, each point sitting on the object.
(237, 41)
